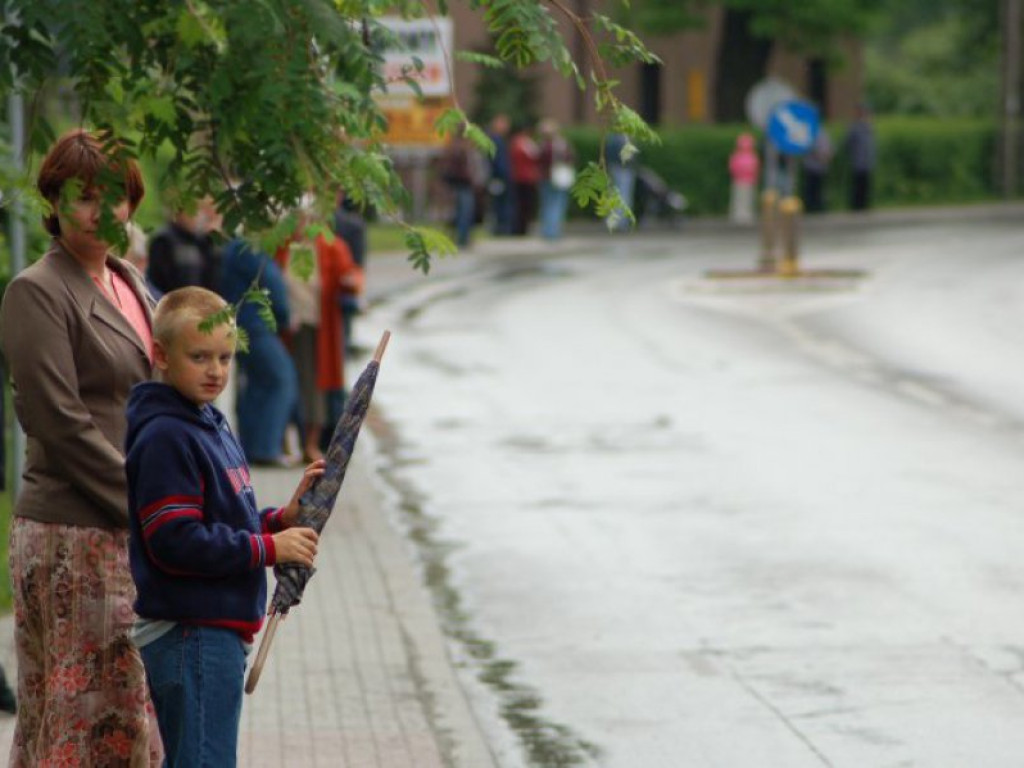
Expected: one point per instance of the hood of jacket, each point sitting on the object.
(152, 399)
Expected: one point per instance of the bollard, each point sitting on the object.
(769, 226)
(789, 231)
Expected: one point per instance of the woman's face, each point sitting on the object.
(80, 221)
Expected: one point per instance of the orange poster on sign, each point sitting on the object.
(411, 123)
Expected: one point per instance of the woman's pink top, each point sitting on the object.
(124, 299)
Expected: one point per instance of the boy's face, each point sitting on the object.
(197, 364)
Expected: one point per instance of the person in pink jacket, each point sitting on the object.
(744, 167)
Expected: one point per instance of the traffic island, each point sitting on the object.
(758, 281)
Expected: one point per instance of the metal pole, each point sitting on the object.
(769, 203)
(790, 208)
(16, 118)
(789, 227)
(1011, 94)
(769, 211)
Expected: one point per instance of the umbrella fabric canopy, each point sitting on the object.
(317, 503)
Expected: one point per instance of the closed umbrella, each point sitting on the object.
(317, 503)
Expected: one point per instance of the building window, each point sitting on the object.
(650, 93)
(817, 84)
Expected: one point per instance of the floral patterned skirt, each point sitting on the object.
(82, 697)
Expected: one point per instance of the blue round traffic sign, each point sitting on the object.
(793, 126)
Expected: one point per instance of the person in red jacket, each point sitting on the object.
(315, 336)
(526, 173)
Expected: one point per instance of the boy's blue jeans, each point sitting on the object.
(195, 677)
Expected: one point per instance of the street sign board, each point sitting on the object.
(429, 40)
(411, 119)
(793, 126)
(763, 97)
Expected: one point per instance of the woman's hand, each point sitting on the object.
(291, 510)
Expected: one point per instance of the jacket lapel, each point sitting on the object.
(88, 295)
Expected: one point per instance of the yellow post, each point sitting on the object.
(769, 199)
(789, 226)
(696, 96)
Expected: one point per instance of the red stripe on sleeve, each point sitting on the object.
(272, 521)
(160, 522)
(170, 501)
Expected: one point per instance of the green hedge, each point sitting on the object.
(693, 160)
(927, 161)
(920, 161)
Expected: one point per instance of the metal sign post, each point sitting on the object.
(760, 102)
(16, 119)
(793, 128)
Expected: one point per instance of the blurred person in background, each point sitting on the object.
(456, 166)
(315, 334)
(623, 175)
(861, 150)
(815, 172)
(744, 167)
(557, 175)
(350, 226)
(499, 185)
(268, 384)
(184, 253)
(525, 164)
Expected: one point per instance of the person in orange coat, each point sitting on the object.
(316, 335)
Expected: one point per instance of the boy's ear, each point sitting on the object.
(159, 356)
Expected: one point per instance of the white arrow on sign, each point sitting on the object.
(798, 133)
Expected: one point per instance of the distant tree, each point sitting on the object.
(935, 57)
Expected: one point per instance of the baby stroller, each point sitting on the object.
(654, 201)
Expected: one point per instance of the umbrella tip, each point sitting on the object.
(382, 346)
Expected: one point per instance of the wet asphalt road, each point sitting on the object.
(680, 521)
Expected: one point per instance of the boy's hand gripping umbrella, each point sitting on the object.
(317, 503)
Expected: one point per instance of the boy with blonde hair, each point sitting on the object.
(199, 545)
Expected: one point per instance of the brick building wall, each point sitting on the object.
(684, 88)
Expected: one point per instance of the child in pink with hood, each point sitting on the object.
(744, 167)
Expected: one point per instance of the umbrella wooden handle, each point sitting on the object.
(381, 346)
(261, 655)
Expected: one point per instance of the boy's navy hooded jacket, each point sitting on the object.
(199, 546)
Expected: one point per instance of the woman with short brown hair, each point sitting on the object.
(75, 330)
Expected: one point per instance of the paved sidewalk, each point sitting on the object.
(358, 674)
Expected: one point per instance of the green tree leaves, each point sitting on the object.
(940, 58)
(424, 243)
(259, 101)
